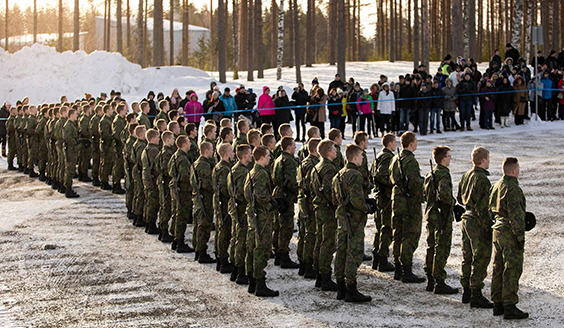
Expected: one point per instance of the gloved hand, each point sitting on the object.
(283, 205)
(372, 206)
(273, 205)
(458, 211)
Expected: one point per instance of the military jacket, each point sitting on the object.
(508, 206)
(143, 119)
(411, 172)
(150, 169)
(473, 192)
(438, 194)
(304, 177)
(321, 183)
(284, 177)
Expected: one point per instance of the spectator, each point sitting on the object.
(265, 107)
(337, 83)
(386, 107)
(436, 107)
(423, 107)
(4, 114)
(228, 103)
(174, 99)
(194, 110)
(217, 108)
(512, 53)
(487, 95)
(449, 105)
(283, 111)
(335, 107)
(365, 107)
(504, 103)
(300, 98)
(546, 104)
(466, 91)
(317, 112)
(520, 100)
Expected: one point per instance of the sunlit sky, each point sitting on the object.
(367, 13)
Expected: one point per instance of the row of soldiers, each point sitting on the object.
(249, 185)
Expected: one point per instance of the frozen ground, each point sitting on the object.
(80, 263)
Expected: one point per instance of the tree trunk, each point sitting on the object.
(416, 34)
(465, 32)
(234, 17)
(341, 51)
(425, 32)
(221, 41)
(274, 33)
(399, 31)
(472, 28)
(250, 34)
(480, 30)
(7, 24)
(185, 32)
(331, 27)
(353, 32)
(259, 48)
(140, 36)
(243, 30)
(34, 22)
(158, 34)
(280, 40)
(105, 23)
(545, 18)
(146, 42)
(290, 24)
(119, 29)
(348, 29)
(457, 45)
(76, 26)
(128, 36)
(297, 47)
(506, 21)
(171, 34)
(109, 28)
(409, 26)
(212, 37)
(391, 33)
(309, 30)
(517, 34)
(60, 40)
(555, 24)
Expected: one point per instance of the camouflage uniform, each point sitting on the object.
(259, 237)
(194, 151)
(161, 115)
(237, 211)
(241, 139)
(349, 195)
(143, 119)
(164, 187)
(118, 126)
(306, 215)
(439, 211)
(277, 150)
(42, 148)
(473, 193)
(150, 173)
(139, 190)
(107, 148)
(383, 217)
(12, 138)
(32, 141)
(22, 146)
(284, 178)
(202, 196)
(326, 222)
(340, 160)
(406, 222)
(220, 201)
(85, 153)
(129, 161)
(95, 130)
(59, 144)
(365, 175)
(507, 204)
(179, 168)
(70, 137)
(53, 162)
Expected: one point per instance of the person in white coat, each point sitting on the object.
(386, 107)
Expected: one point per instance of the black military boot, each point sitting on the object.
(242, 278)
(181, 247)
(277, 259)
(49, 181)
(498, 309)
(139, 222)
(376, 261)
(512, 312)
(20, 168)
(263, 290)
(341, 289)
(165, 236)
(105, 186)
(96, 182)
(301, 270)
(252, 285)
(11, 167)
(26, 170)
(152, 229)
(366, 257)
(480, 301)
(327, 284)
(353, 295)
(226, 267)
(80, 175)
(217, 263)
(42, 177)
(117, 189)
(62, 189)
(385, 266)
(234, 273)
(409, 277)
(55, 185)
(430, 283)
(466, 295)
(286, 262)
(203, 257)
(71, 193)
(442, 288)
(33, 174)
(398, 272)
(309, 272)
(318, 279)
(86, 178)
(196, 256)
(130, 215)
(174, 245)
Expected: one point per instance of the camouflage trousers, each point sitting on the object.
(181, 212)
(150, 204)
(107, 156)
(261, 244)
(383, 236)
(32, 150)
(350, 249)
(12, 148)
(84, 157)
(139, 193)
(118, 166)
(71, 157)
(42, 157)
(164, 203)
(438, 248)
(406, 230)
(61, 165)
(96, 159)
(285, 230)
(22, 152)
(223, 232)
(203, 216)
(507, 267)
(129, 185)
(53, 159)
(325, 239)
(476, 253)
(239, 237)
(306, 230)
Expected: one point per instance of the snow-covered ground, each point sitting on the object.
(80, 262)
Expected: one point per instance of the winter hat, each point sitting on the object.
(365, 90)
(337, 75)
(227, 89)
(508, 45)
(151, 93)
(241, 86)
(315, 81)
(552, 52)
(447, 57)
(424, 84)
(340, 91)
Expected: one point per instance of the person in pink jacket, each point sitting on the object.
(266, 106)
(194, 107)
(365, 107)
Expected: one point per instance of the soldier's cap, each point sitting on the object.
(530, 221)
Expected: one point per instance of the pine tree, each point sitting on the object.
(221, 41)
(280, 40)
(425, 32)
(158, 34)
(310, 29)
(185, 32)
(60, 40)
(119, 31)
(416, 34)
(516, 34)
(76, 26)
(341, 50)
(235, 41)
(457, 44)
(140, 35)
(259, 48)
(250, 21)
(297, 60)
